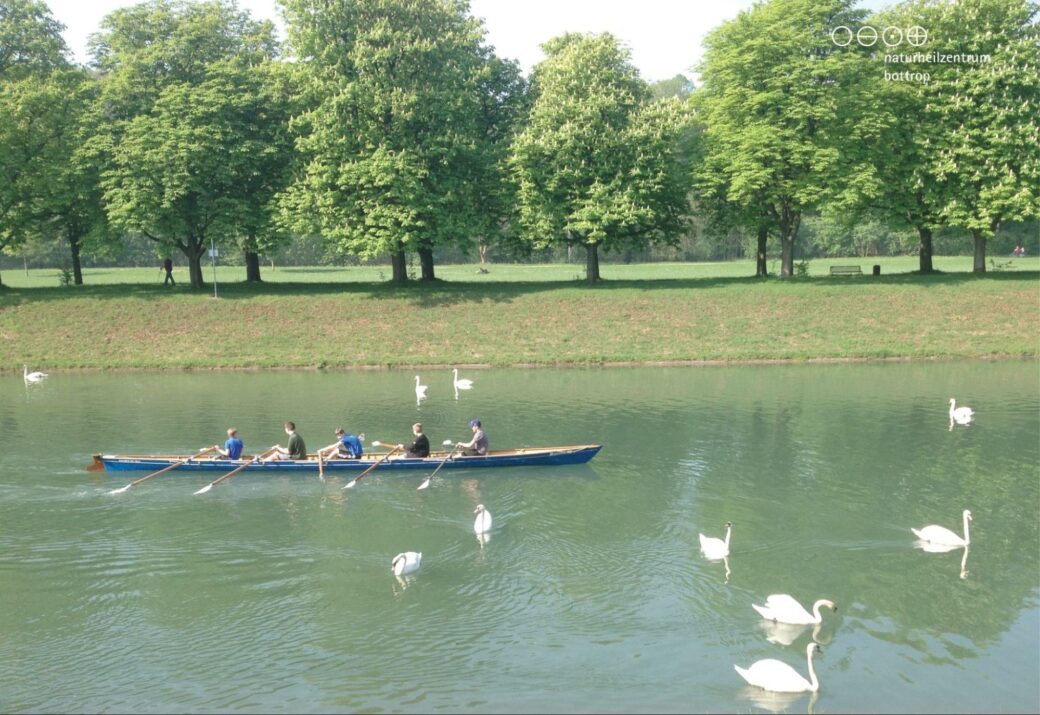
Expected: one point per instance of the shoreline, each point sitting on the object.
(750, 362)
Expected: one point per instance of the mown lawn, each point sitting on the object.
(516, 315)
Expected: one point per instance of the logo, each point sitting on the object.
(868, 35)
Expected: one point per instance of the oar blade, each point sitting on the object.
(426, 483)
(349, 485)
(120, 490)
(204, 489)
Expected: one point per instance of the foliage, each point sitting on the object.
(788, 115)
(598, 163)
(405, 111)
(188, 123)
(989, 162)
(30, 40)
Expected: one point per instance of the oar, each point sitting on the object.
(426, 482)
(234, 471)
(164, 469)
(321, 468)
(375, 443)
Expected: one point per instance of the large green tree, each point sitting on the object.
(35, 101)
(789, 115)
(989, 158)
(598, 163)
(397, 146)
(187, 121)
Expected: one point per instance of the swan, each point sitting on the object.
(32, 376)
(782, 608)
(779, 677)
(960, 415)
(482, 524)
(420, 390)
(462, 384)
(716, 548)
(944, 537)
(406, 562)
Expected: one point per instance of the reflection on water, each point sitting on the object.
(592, 593)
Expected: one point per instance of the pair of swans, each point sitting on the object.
(457, 383)
(31, 377)
(777, 676)
(408, 562)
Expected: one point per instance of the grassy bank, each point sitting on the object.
(506, 321)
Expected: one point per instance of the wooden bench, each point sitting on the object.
(846, 271)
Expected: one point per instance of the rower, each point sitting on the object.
(346, 446)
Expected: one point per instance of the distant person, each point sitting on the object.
(421, 446)
(1019, 251)
(233, 447)
(476, 446)
(296, 449)
(168, 267)
(346, 446)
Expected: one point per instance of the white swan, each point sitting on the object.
(779, 677)
(942, 536)
(960, 415)
(482, 524)
(462, 384)
(784, 609)
(420, 390)
(32, 376)
(406, 562)
(716, 548)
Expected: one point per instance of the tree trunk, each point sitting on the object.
(193, 251)
(980, 251)
(761, 270)
(400, 266)
(426, 262)
(252, 266)
(925, 252)
(591, 262)
(77, 268)
(788, 232)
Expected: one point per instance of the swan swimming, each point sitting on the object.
(779, 677)
(463, 384)
(960, 415)
(482, 524)
(942, 536)
(420, 390)
(32, 376)
(715, 548)
(782, 608)
(406, 562)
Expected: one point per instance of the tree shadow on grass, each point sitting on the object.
(441, 293)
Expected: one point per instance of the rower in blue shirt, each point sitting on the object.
(346, 446)
(233, 447)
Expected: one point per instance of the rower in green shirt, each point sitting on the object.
(296, 449)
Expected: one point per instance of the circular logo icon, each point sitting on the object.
(841, 36)
(917, 35)
(892, 36)
(867, 36)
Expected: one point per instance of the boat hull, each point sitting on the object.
(528, 457)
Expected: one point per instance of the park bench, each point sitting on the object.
(846, 271)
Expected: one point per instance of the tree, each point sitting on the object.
(789, 114)
(187, 123)
(989, 160)
(30, 40)
(396, 144)
(32, 112)
(598, 163)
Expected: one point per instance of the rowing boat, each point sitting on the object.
(524, 457)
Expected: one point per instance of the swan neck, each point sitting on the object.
(728, 530)
(817, 618)
(967, 537)
(813, 680)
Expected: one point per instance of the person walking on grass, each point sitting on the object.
(168, 267)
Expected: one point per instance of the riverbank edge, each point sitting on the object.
(549, 365)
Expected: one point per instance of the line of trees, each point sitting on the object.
(390, 128)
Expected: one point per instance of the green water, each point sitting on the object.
(273, 593)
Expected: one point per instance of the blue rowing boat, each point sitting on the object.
(524, 457)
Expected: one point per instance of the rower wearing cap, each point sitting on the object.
(476, 446)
